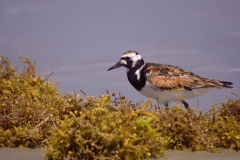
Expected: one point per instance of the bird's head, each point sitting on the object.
(129, 60)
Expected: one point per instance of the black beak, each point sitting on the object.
(119, 64)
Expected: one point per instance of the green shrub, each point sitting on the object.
(26, 105)
(100, 131)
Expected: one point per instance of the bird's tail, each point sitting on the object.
(219, 84)
(225, 84)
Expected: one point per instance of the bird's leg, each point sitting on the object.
(166, 106)
(158, 107)
(186, 105)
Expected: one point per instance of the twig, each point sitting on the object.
(49, 75)
(83, 93)
(41, 123)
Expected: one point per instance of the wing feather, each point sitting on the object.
(168, 77)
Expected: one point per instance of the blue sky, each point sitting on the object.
(80, 40)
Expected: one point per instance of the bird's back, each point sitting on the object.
(167, 77)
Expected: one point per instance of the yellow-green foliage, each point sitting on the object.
(34, 114)
(26, 101)
(198, 131)
(97, 130)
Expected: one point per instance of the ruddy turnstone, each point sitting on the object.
(165, 83)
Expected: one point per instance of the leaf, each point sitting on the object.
(33, 93)
(6, 92)
(144, 121)
(151, 115)
(145, 105)
(106, 100)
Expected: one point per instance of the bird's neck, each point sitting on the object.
(136, 76)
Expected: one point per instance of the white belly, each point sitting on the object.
(174, 95)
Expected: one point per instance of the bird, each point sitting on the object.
(165, 83)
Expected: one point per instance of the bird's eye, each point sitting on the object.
(127, 58)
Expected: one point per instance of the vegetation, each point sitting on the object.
(34, 114)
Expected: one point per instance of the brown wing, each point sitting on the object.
(167, 77)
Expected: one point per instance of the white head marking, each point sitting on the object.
(123, 62)
(133, 56)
